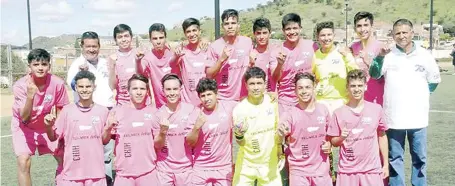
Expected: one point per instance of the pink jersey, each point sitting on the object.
(230, 77)
(192, 69)
(297, 60)
(155, 68)
(134, 146)
(53, 94)
(176, 155)
(264, 61)
(81, 131)
(125, 68)
(308, 132)
(214, 146)
(359, 152)
(375, 88)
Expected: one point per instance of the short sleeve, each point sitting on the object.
(60, 123)
(286, 120)
(20, 97)
(382, 126)
(433, 75)
(62, 97)
(333, 128)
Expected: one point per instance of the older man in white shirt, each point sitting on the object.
(103, 95)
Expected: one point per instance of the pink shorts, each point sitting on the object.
(26, 141)
(297, 179)
(174, 179)
(359, 179)
(147, 179)
(87, 182)
(219, 177)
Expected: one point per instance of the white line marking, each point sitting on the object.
(443, 111)
(5, 136)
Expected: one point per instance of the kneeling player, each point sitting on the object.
(305, 127)
(134, 147)
(255, 126)
(357, 127)
(82, 128)
(212, 138)
(172, 123)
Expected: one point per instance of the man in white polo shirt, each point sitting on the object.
(411, 74)
(103, 95)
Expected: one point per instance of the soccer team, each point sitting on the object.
(176, 112)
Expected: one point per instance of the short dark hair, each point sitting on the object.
(362, 15)
(229, 13)
(170, 76)
(89, 35)
(139, 77)
(400, 22)
(206, 84)
(85, 74)
(291, 17)
(38, 54)
(261, 23)
(122, 28)
(157, 27)
(322, 25)
(304, 75)
(254, 72)
(356, 74)
(189, 22)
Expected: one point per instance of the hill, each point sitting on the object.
(314, 11)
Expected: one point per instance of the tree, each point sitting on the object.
(329, 2)
(445, 37)
(323, 14)
(77, 46)
(19, 66)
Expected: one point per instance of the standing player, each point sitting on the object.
(156, 63)
(82, 127)
(305, 127)
(359, 129)
(364, 51)
(192, 60)
(212, 138)
(35, 95)
(411, 74)
(231, 56)
(255, 125)
(173, 122)
(103, 94)
(330, 67)
(262, 52)
(122, 64)
(294, 56)
(134, 146)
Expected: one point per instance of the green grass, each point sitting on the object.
(441, 159)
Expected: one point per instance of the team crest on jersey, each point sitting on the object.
(95, 119)
(335, 61)
(147, 116)
(269, 111)
(223, 116)
(366, 120)
(47, 98)
(371, 55)
(320, 119)
(419, 68)
(305, 54)
(184, 119)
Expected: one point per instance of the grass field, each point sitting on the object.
(441, 158)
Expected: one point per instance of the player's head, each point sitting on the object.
(230, 22)
(325, 34)
(304, 86)
(192, 30)
(363, 22)
(262, 30)
(356, 84)
(172, 86)
(403, 32)
(123, 36)
(85, 84)
(255, 82)
(157, 34)
(137, 88)
(39, 62)
(292, 25)
(90, 44)
(208, 92)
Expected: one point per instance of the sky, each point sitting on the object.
(57, 17)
